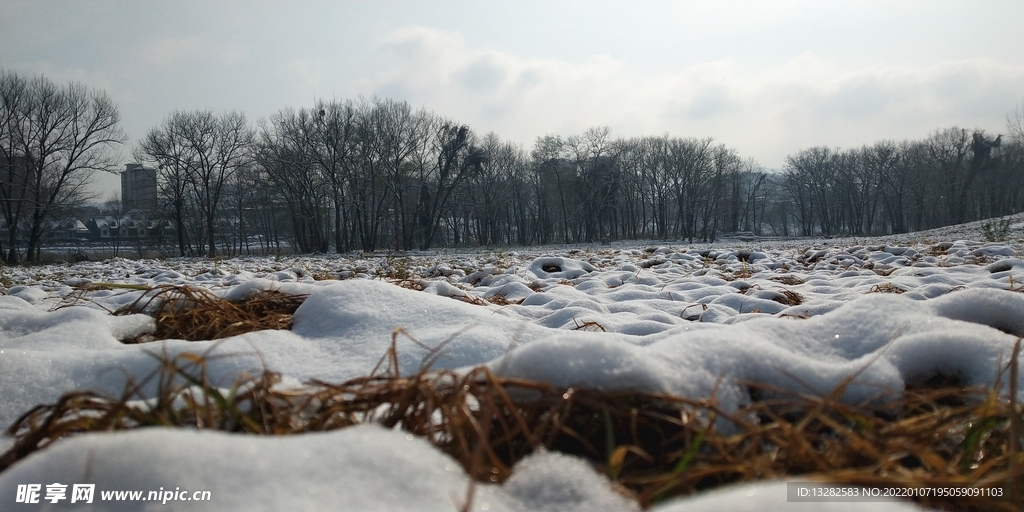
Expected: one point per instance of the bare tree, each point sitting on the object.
(555, 172)
(493, 195)
(14, 175)
(1015, 123)
(887, 161)
(201, 152)
(167, 148)
(594, 155)
(114, 208)
(332, 145)
(54, 138)
(808, 175)
(458, 159)
(287, 154)
(1014, 158)
(691, 171)
(948, 156)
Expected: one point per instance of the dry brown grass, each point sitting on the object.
(469, 299)
(789, 298)
(411, 284)
(787, 279)
(1015, 288)
(501, 300)
(195, 314)
(653, 446)
(885, 288)
(940, 249)
(732, 275)
(978, 259)
(747, 288)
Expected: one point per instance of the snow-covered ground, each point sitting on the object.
(654, 316)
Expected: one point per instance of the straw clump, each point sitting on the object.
(652, 446)
(196, 314)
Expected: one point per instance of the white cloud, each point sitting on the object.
(765, 113)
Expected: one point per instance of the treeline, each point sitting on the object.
(951, 177)
(378, 174)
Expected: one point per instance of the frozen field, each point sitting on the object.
(689, 320)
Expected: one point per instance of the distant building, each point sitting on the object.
(106, 228)
(138, 188)
(68, 230)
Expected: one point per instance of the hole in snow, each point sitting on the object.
(941, 379)
(1000, 267)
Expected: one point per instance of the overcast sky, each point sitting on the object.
(766, 78)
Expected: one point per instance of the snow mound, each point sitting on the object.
(559, 268)
(365, 468)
